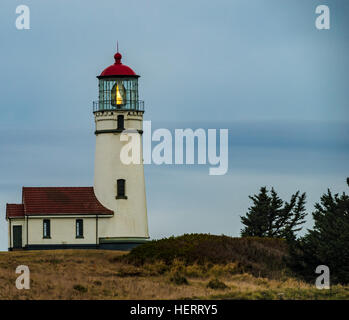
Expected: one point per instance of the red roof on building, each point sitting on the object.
(14, 210)
(118, 69)
(58, 201)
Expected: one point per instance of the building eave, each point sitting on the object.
(70, 215)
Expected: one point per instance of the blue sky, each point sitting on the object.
(259, 68)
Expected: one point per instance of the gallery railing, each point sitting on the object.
(106, 105)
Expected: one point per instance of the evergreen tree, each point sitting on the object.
(328, 243)
(270, 216)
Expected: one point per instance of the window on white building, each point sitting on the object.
(79, 228)
(47, 229)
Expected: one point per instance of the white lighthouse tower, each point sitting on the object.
(119, 187)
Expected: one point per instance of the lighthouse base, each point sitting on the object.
(122, 244)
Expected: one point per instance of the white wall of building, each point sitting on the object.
(63, 230)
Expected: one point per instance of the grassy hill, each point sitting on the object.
(191, 266)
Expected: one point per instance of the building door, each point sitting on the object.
(17, 237)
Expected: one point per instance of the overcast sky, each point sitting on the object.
(259, 68)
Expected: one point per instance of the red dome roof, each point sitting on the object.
(118, 69)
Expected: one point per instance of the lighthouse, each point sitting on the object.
(119, 187)
(113, 213)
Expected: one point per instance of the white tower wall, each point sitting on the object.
(130, 215)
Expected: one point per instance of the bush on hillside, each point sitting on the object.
(258, 256)
(179, 279)
(217, 285)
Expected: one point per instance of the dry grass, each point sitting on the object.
(92, 274)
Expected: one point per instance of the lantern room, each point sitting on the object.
(118, 88)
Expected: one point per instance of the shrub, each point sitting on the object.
(217, 285)
(195, 271)
(80, 288)
(155, 269)
(178, 279)
(258, 256)
(129, 271)
(219, 270)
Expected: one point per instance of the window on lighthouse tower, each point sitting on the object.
(118, 94)
(121, 189)
(121, 122)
